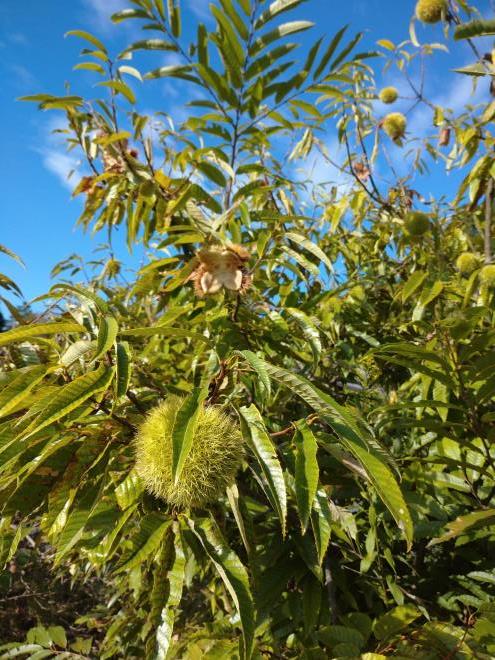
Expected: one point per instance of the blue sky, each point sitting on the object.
(38, 214)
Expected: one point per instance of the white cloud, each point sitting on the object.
(461, 93)
(320, 174)
(61, 164)
(170, 90)
(172, 59)
(23, 78)
(100, 11)
(323, 170)
(54, 155)
(18, 38)
(457, 96)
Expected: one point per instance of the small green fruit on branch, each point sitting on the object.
(395, 125)
(389, 95)
(487, 276)
(431, 11)
(416, 223)
(467, 263)
(211, 465)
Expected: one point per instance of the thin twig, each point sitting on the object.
(330, 585)
(488, 222)
(121, 420)
(133, 398)
(370, 193)
(279, 434)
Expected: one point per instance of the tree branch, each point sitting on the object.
(488, 222)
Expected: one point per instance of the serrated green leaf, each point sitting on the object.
(281, 31)
(306, 471)
(275, 9)
(151, 44)
(332, 635)
(12, 255)
(309, 330)
(69, 397)
(167, 591)
(76, 351)
(257, 364)
(23, 332)
(90, 66)
(107, 334)
(184, 429)
(472, 70)
(80, 292)
(233, 574)
(413, 284)
(352, 436)
(130, 71)
(20, 387)
(321, 519)
(310, 247)
(263, 62)
(129, 490)
(235, 18)
(87, 501)
(302, 260)
(146, 542)
(478, 28)
(123, 362)
(391, 623)
(264, 450)
(233, 497)
(212, 172)
(463, 524)
(173, 70)
(125, 14)
(88, 37)
(120, 87)
(174, 17)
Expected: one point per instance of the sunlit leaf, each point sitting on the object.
(264, 450)
(307, 471)
(233, 574)
(23, 332)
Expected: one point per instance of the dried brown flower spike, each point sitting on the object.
(219, 267)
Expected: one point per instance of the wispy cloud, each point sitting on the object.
(320, 172)
(170, 89)
(21, 77)
(18, 38)
(172, 59)
(62, 165)
(99, 12)
(457, 96)
(66, 166)
(199, 8)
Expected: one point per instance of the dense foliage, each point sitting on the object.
(345, 329)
